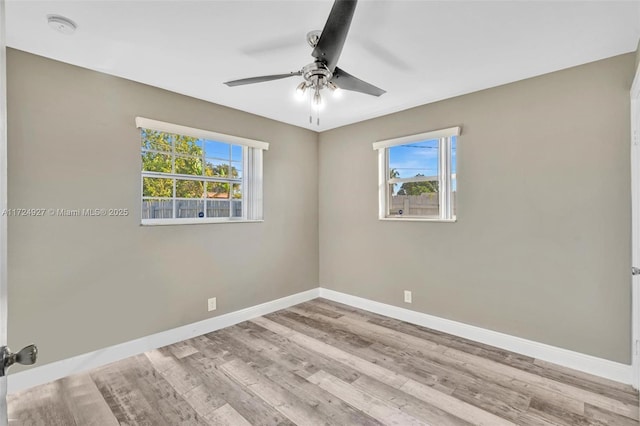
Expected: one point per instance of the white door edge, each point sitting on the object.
(635, 228)
(3, 206)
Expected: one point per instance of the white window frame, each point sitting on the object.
(251, 181)
(444, 177)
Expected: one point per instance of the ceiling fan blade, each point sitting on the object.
(346, 81)
(334, 33)
(260, 79)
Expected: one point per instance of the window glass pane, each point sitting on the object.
(155, 140)
(236, 170)
(236, 209)
(414, 159)
(157, 208)
(189, 208)
(236, 191)
(187, 145)
(236, 153)
(218, 190)
(419, 188)
(188, 166)
(218, 168)
(217, 208)
(454, 181)
(454, 140)
(157, 187)
(420, 198)
(155, 162)
(189, 189)
(426, 204)
(219, 150)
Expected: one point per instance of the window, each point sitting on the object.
(417, 176)
(197, 176)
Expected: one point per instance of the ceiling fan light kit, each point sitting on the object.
(323, 71)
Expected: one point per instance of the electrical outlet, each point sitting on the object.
(212, 304)
(407, 296)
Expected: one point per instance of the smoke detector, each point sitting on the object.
(61, 24)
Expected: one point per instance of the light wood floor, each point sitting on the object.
(324, 363)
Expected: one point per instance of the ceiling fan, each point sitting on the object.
(323, 71)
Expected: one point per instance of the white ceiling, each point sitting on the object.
(418, 51)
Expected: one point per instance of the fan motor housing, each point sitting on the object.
(317, 73)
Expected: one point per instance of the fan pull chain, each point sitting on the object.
(310, 110)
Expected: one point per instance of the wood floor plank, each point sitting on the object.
(327, 328)
(453, 405)
(323, 362)
(204, 402)
(174, 372)
(227, 416)
(373, 333)
(491, 371)
(165, 400)
(182, 349)
(40, 406)
(269, 360)
(592, 398)
(126, 402)
(314, 330)
(427, 394)
(337, 411)
(408, 403)
(376, 408)
(557, 415)
(160, 359)
(434, 336)
(85, 401)
(316, 308)
(336, 354)
(533, 418)
(223, 340)
(586, 381)
(290, 374)
(607, 417)
(285, 402)
(492, 397)
(249, 406)
(311, 361)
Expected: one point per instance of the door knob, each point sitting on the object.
(26, 356)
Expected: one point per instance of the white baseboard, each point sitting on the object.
(578, 361)
(56, 370)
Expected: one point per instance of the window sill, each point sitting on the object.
(165, 222)
(416, 219)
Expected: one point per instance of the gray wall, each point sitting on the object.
(541, 248)
(78, 284)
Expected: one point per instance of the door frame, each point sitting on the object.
(3, 206)
(635, 227)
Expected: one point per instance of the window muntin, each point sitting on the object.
(418, 176)
(188, 178)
